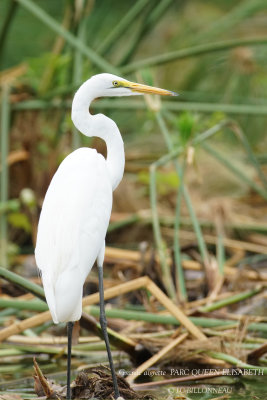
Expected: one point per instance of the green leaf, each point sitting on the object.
(167, 181)
(186, 124)
(20, 220)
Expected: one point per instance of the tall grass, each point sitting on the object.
(4, 184)
(141, 19)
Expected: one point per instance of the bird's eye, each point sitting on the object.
(115, 83)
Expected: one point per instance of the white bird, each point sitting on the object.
(77, 207)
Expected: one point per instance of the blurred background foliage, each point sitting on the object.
(191, 210)
(220, 73)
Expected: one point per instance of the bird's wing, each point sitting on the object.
(73, 221)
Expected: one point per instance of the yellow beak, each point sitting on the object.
(137, 87)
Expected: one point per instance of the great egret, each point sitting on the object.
(77, 206)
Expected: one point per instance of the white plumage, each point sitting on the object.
(77, 206)
(76, 209)
(72, 229)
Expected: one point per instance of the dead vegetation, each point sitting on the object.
(186, 264)
(94, 383)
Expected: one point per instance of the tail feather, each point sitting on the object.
(68, 295)
(50, 296)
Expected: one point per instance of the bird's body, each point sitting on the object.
(72, 230)
(77, 206)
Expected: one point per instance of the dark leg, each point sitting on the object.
(69, 331)
(103, 323)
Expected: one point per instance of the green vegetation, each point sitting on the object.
(192, 206)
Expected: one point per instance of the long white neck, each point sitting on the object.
(101, 126)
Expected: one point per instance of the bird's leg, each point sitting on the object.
(69, 332)
(103, 323)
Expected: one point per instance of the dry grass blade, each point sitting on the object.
(215, 305)
(51, 340)
(229, 243)
(119, 341)
(21, 326)
(156, 357)
(254, 355)
(39, 319)
(116, 255)
(41, 382)
(174, 310)
(7, 77)
(179, 379)
(13, 396)
(143, 282)
(117, 290)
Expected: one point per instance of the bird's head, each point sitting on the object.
(112, 85)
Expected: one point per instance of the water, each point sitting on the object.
(242, 389)
(237, 388)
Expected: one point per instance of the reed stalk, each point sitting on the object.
(156, 357)
(106, 45)
(135, 104)
(220, 253)
(6, 25)
(231, 300)
(180, 279)
(242, 11)
(165, 267)
(150, 17)
(4, 141)
(49, 72)
(132, 219)
(243, 140)
(76, 43)
(8, 352)
(235, 361)
(153, 198)
(183, 188)
(251, 156)
(77, 74)
(27, 285)
(235, 170)
(9, 205)
(169, 319)
(193, 51)
(31, 305)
